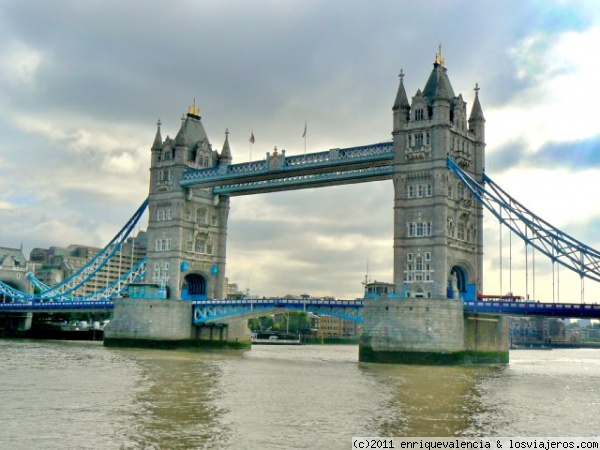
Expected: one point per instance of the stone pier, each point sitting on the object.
(158, 323)
(430, 331)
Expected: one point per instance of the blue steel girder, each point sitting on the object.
(307, 181)
(92, 267)
(282, 166)
(562, 310)
(55, 307)
(532, 229)
(217, 310)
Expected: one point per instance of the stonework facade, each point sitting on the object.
(187, 227)
(13, 271)
(438, 244)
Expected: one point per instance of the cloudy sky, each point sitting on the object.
(82, 85)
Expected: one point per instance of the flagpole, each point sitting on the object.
(251, 143)
(304, 136)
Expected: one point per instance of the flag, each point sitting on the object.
(304, 134)
(251, 137)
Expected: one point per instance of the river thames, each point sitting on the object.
(80, 395)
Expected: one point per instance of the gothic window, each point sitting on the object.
(427, 228)
(167, 155)
(189, 246)
(409, 256)
(429, 192)
(201, 215)
(410, 191)
(419, 229)
(419, 263)
(165, 175)
(418, 139)
(206, 162)
(411, 229)
(449, 191)
(213, 220)
(209, 249)
(460, 191)
(163, 245)
(187, 214)
(427, 257)
(419, 114)
(164, 214)
(427, 141)
(460, 231)
(200, 246)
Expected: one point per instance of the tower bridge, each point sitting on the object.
(435, 161)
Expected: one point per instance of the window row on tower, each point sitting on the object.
(418, 139)
(419, 190)
(419, 229)
(202, 215)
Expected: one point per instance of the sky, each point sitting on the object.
(82, 85)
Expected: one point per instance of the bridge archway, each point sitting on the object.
(458, 281)
(194, 287)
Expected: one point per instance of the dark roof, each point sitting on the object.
(438, 85)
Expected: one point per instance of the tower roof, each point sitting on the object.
(192, 130)
(401, 98)
(438, 85)
(476, 111)
(158, 138)
(226, 152)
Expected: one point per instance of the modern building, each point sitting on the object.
(56, 264)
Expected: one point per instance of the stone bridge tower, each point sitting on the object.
(438, 239)
(187, 228)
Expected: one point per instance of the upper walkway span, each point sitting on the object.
(279, 171)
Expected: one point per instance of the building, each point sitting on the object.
(438, 251)
(187, 228)
(13, 270)
(56, 264)
(336, 327)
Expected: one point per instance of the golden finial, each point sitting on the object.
(194, 110)
(275, 151)
(439, 59)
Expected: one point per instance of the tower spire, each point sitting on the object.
(439, 59)
(158, 138)
(401, 98)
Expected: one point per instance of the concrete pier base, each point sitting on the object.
(168, 324)
(430, 331)
(16, 321)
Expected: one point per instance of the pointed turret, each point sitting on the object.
(401, 98)
(476, 111)
(401, 106)
(157, 144)
(226, 151)
(476, 119)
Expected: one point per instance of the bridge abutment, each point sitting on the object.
(168, 324)
(430, 331)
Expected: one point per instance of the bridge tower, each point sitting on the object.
(187, 227)
(438, 239)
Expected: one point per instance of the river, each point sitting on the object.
(80, 395)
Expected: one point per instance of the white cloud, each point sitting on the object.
(561, 103)
(19, 65)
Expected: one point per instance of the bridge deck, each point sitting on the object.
(320, 306)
